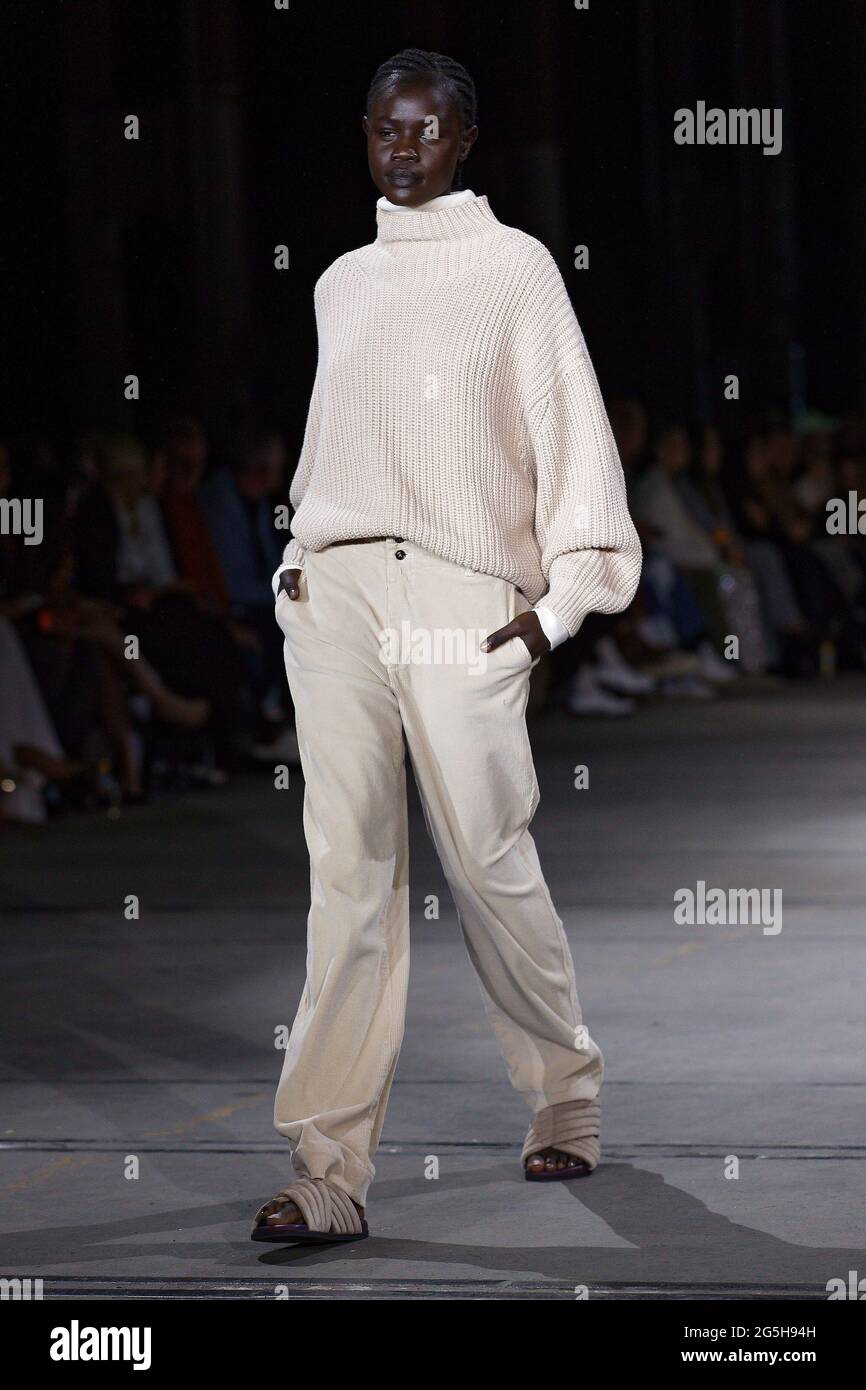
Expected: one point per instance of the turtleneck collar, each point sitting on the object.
(448, 218)
(444, 200)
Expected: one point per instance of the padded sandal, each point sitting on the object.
(329, 1215)
(573, 1127)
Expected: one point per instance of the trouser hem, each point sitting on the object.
(351, 1177)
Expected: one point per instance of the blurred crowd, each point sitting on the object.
(148, 544)
(743, 575)
(140, 653)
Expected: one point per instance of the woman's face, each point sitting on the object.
(413, 142)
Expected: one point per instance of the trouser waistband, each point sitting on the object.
(361, 540)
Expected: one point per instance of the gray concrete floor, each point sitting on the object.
(152, 1040)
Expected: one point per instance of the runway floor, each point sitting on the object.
(139, 1066)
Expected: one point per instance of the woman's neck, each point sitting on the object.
(444, 200)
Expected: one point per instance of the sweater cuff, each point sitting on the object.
(594, 581)
(552, 626)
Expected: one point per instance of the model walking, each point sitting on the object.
(457, 467)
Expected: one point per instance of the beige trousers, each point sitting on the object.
(382, 652)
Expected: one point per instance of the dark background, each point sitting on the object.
(156, 256)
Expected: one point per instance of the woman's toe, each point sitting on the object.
(281, 1214)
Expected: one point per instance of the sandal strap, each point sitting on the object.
(323, 1206)
(572, 1126)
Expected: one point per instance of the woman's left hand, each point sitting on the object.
(526, 627)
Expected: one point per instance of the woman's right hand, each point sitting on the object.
(289, 581)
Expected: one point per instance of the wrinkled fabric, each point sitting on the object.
(460, 715)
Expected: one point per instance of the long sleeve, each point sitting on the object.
(590, 550)
(293, 554)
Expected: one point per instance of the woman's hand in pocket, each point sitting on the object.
(525, 626)
(290, 583)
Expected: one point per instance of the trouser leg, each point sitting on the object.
(346, 1037)
(467, 737)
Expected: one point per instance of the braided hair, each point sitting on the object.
(412, 64)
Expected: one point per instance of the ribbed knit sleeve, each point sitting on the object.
(590, 550)
(294, 551)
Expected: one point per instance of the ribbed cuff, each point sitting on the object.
(594, 581)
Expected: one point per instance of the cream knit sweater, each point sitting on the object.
(555, 631)
(455, 405)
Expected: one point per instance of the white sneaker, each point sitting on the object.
(714, 667)
(614, 672)
(586, 697)
(284, 749)
(657, 631)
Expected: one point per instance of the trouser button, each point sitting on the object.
(399, 555)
